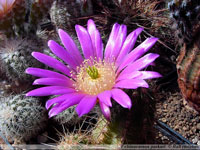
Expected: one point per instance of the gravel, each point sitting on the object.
(173, 112)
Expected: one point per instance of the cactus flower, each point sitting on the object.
(5, 6)
(96, 77)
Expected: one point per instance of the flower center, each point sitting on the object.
(94, 77)
(92, 72)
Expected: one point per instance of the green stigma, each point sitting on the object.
(92, 72)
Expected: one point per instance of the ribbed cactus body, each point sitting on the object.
(21, 118)
(133, 126)
(186, 17)
(65, 14)
(188, 67)
(16, 57)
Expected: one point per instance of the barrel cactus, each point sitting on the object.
(186, 14)
(21, 118)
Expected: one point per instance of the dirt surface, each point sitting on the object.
(172, 110)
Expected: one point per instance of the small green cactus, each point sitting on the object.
(21, 117)
(16, 57)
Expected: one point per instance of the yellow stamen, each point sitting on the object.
(94, 77)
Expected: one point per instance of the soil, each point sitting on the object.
(172, 110)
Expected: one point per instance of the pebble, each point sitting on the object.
(195, 140)
(198, 126)
(184, 128)
(164, 120)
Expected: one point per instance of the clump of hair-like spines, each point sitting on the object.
(65, 14)
(16, 57)
(21, 117)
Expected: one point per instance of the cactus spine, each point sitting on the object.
(21, 118)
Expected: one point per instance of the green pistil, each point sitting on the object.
(92, 72)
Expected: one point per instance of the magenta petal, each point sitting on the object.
(70, 46)
(55, 100)
(141, 63)
(96, 39)
(105, 111)
(121, 97)
(104, 97)
(44, 73)
(131, 84)
(138, 52)
(50, 90)
(53, 81)
(51, 62)
(68, 102)
(111, 41)
(118, 43)
(131, 75)
(62, 53)
(85, 41)
(86, 104)
(149, 75)
(129, 44)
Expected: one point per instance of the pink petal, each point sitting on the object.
(62, 54)
(58, 99)
(68, 102)
(86, 104)
(50, 90)
(85, 42)
(119, 40)
(104, 97)
(1, 7)
(140, 63)
(138, 52)
(10, 2)
(53, 81)
(128, 44)
(44, 73)
(122, 98)
(131, 75)
(51, 62)
(149, 75)
(70, 46)
(96, 39)
(105, 111)
(131, 84)
(111, 41)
